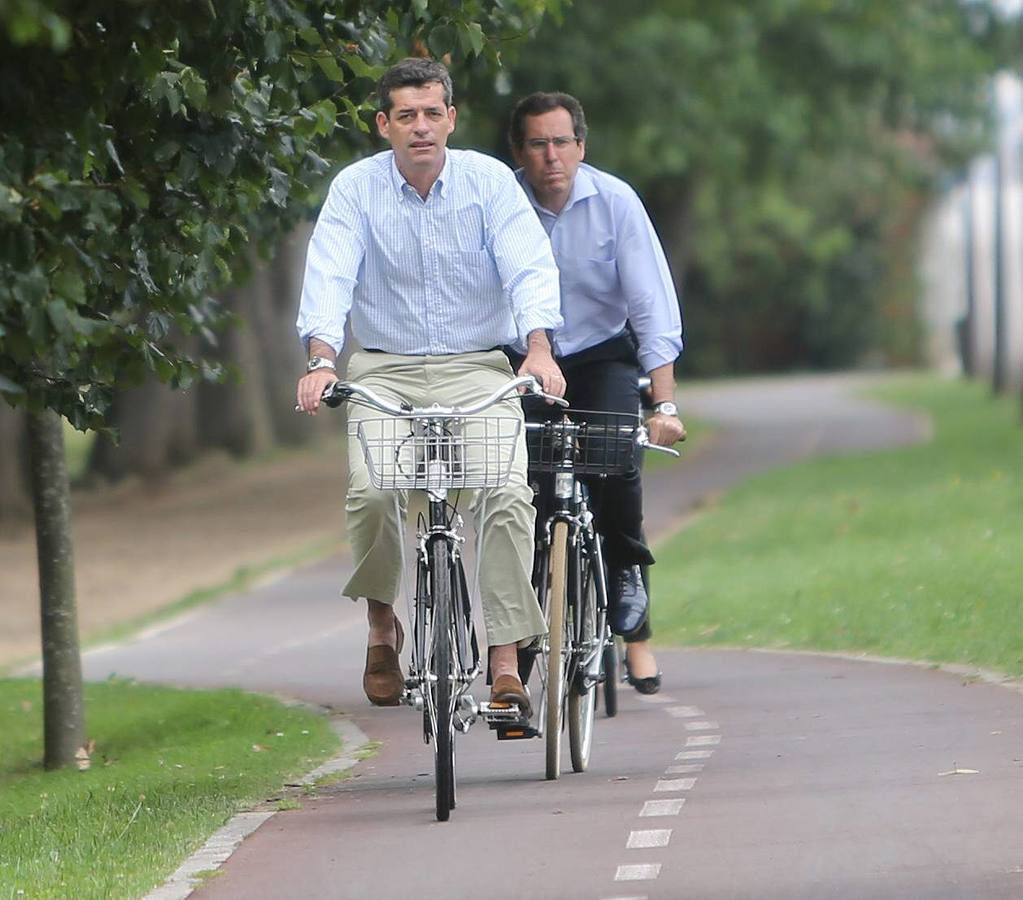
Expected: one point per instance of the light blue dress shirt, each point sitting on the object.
(612, 269)
(468, 268)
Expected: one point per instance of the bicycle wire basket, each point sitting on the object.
(605, 443)
(438, 454)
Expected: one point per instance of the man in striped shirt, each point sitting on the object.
(621, 316)
(438, 259)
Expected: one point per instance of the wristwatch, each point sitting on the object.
(320, 362)
(666, 408)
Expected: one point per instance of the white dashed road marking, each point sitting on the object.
(662, 807)
(694, 754)
(687, 769)
(665, 785)
(702, 726)
(703, 740)
(685, 712)
(646, 872)
(643, 840)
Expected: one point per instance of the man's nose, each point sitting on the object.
(548, 151)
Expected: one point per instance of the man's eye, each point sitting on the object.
(561, 142)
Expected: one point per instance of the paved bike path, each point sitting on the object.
(799, 776)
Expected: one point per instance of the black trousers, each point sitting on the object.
(604, 378)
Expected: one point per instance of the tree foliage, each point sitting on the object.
(148, 144)
(778, 144)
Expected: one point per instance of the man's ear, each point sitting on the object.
(582, 150)
(383, 125)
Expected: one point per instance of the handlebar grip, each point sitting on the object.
(334, 395)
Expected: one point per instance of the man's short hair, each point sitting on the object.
(412, 72)
(539, 103)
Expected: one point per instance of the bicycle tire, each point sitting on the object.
(610, 677)
(582, 702)
(442, 666)
(557, 596)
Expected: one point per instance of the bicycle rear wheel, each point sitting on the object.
(557, 658)
(582, 694)
(442, 667)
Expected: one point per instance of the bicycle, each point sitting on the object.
(438, 449)
(579, 651)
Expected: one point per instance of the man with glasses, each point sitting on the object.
(621, 317)
(440, 261)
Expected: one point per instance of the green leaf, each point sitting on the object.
(328, 65)
(69, 285)
(112, 154)
(194, 86)
(165, 88)
(442, 40)
(279, 187)
(361, 68)
(57, 312)
(471, 37)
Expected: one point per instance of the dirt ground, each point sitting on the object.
(139, 546)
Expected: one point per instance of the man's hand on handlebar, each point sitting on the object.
(665, 430)
(311, 387)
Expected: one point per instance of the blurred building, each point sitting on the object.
(971, 261)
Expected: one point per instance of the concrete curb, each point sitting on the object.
(218, 849)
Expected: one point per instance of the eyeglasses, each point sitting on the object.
(539, 145)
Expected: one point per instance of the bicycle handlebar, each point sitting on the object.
(642, 435)
(339, 391)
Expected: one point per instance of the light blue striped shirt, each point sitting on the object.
(467, 269)
(612, 269)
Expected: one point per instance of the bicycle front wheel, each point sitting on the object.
(582, 695)
(557, 658)
(442, 667)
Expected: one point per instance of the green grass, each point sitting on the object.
(910, 553)
(169, 768)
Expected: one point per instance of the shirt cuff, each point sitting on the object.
(659, 352)
(535, 321)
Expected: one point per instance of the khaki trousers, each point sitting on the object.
(375, 526)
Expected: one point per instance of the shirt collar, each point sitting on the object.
(440, 186)
(582, 187)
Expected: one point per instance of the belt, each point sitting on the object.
(376, 350)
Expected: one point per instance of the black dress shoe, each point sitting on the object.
(629, 600)
(649, 685)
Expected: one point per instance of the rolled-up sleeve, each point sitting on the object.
(525, 260)
(653, 306)
(335, 253)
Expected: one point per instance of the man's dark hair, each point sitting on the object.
(539, 103)
(412, 72)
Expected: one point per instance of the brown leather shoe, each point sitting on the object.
(383, 680)
(508, 689)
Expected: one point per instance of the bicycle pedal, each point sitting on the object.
(496, 714)
(517, 732)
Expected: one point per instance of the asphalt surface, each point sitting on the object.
(754, 775)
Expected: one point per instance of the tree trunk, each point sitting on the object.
(15, 503)
(63, 711)
(234, 415)
(156, 428)
(284, 358)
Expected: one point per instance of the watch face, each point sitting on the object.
(666, 408)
